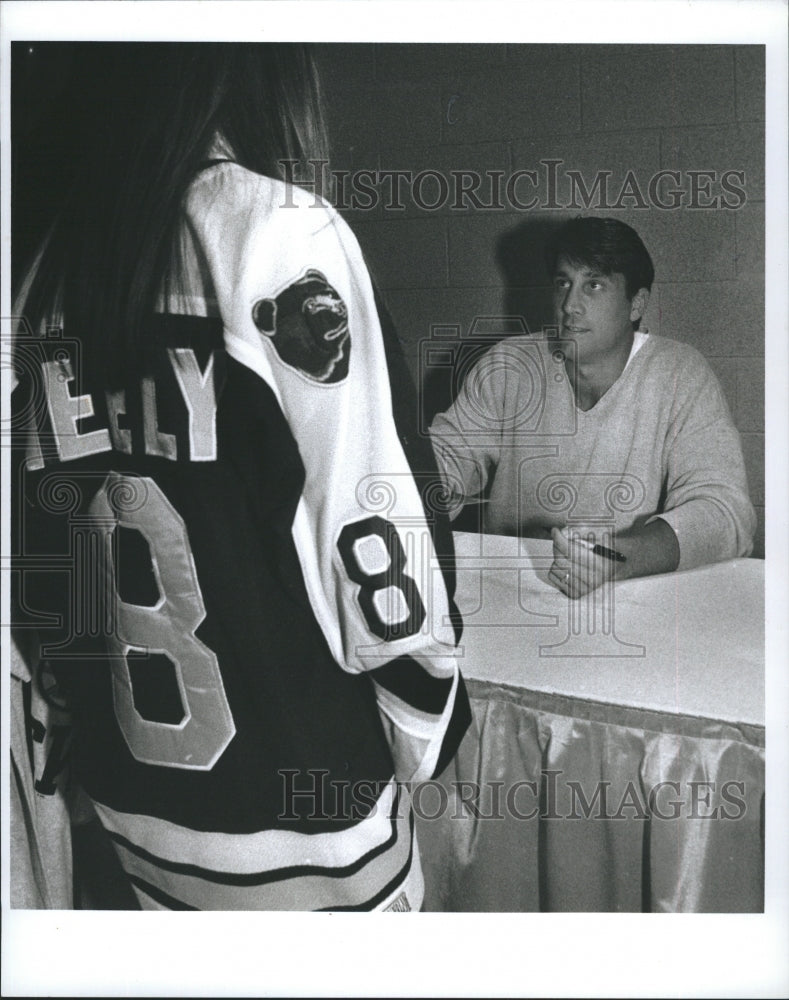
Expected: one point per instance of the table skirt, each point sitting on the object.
(561, 804)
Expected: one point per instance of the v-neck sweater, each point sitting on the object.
(659, 442)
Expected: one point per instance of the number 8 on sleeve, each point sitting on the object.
(374, 558)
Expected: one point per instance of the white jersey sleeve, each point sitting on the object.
(299, 311)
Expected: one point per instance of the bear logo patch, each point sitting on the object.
(307, 323)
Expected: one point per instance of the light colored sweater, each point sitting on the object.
(660, 441)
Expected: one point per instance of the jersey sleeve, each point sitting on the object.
(706, 502)
(299, 311)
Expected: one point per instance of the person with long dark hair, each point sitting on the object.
(245, 597)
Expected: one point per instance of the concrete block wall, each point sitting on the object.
(442, 259)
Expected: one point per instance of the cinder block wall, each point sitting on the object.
(442, 260)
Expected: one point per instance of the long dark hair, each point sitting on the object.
(142, 118)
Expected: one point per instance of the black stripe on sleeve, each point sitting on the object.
(411, 683)
(458, 724)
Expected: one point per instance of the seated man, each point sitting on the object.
(601, 432)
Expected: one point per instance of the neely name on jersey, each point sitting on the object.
(172, 413)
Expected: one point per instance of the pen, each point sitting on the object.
(601, 550)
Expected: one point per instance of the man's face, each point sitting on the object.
(593, 309)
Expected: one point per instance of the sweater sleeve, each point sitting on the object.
(706, 489)
(466, 437)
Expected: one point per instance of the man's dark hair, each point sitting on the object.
(607, 246)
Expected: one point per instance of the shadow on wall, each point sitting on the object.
(520, 255)
(526, 309)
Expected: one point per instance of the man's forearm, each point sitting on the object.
(648, 549)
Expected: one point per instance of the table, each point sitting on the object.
(616, 761)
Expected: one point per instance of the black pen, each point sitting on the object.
(601, 550)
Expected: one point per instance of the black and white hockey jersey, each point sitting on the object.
(253, 584)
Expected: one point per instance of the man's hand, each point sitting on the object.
(649, 548)
(576, 569)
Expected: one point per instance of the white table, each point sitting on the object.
(690, 643)
(631, 726)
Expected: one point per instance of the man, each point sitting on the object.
(602, 432)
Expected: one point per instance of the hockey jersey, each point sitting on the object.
(40, 831)
(251, 571)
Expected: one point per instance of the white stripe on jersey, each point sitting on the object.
(363, 867)
(247, 853)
